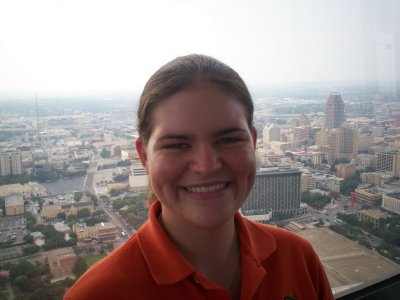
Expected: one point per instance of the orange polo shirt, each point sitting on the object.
(276, 264)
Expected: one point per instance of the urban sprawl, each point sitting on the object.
(72, 188)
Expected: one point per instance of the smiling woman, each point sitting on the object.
(197, 144)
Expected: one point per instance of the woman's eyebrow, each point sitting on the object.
(228, 131)
(187, 137)
(174, 137)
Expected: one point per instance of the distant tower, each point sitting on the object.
(334, 111)
(37, 122)
(271, 133)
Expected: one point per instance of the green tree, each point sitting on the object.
(42, 175)
(30, 249)
(104, 153)
(120, 177)
(20, 281)
(71, 218)
(78, 196)
(83, 213)
(316, 201)
(2, 204)
(21, 268)
(61, 216)
(289, 154)
(350, 184)
(28, 239)
(114, 192)
(3, 282)
(80, 267)
(110, 246)
(30, 220)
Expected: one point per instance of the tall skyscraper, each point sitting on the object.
(10, 163)
(334, 111)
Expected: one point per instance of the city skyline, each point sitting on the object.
(76, 161)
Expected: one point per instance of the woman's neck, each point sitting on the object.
(201, 245)
(214, 252)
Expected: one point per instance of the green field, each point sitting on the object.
(91, 259)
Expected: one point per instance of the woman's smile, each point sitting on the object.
(200, 156)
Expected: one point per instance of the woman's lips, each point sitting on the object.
(206, 188)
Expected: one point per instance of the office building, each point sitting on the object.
(391, 202)
(388, 161)
(14, 204)
(373, 216)
(11, 163)
(103, 232)
(277, 192)
(308, 181)
(347, 143)
(50, 212)
(376, 178)
(341, 143)
(365, 160)
(371, 196)
(365, 141)
(138, 178)
(345, 170)
(334, 111)
(271, 133)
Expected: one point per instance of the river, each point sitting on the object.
(64, 185)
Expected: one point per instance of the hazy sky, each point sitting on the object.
(85, 46)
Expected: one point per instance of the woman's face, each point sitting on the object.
(200, 156)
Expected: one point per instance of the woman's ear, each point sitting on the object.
(140, 148)
(254, 136)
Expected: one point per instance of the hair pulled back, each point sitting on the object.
(182, 73)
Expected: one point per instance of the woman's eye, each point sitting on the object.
(227, 140)
(177, 146)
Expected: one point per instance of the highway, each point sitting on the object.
(88, 186)
(91, 171)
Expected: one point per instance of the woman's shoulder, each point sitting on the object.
(100, 280)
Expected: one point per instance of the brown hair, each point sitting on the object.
(180, 74)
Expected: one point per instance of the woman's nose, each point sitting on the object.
(206, 160)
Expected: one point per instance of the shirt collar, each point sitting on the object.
(167, 265)
(256, 245)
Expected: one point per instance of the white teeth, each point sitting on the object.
(205, 189)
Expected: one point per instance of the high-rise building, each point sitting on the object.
(334, 111)
(276, 191)
(308, 181)
(271, 133)
(342, 143)
(10, 163)
(347, 143)
(388, 161)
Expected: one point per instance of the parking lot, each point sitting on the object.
(12, 229)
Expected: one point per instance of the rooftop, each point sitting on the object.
(345, 262)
